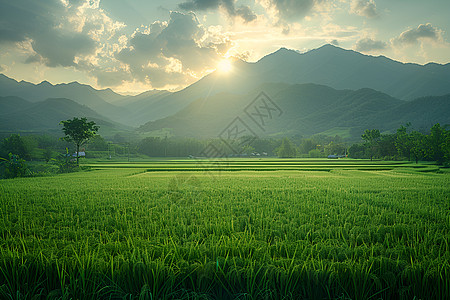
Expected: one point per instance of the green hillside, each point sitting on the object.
(307, 109)
(18, 115)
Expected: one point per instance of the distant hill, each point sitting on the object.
(17, 114)
(348, 69)
(422, 112)
(128, 110)
(307, 109)
(329, 65)
(129, 100)
(80, 93)
(143, 107)
(12, 104)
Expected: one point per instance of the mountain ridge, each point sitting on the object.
(308, 109)
(331, 66)
(18, 114)
(328, 65)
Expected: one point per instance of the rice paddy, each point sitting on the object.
(228, 229)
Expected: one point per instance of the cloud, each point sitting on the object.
(111, 77)
(413, 36)
(173, 53)
(289, 10)
(202, 4)
(368, 44)
(59, 33)
(366, 8)
(61, 49)
(334, 42)
(243, 11)
(287, 13)
(246, 13)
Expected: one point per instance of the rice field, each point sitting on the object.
(234, 229)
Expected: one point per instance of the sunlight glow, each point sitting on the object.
(224, 66)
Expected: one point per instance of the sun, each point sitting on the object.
(224, 66)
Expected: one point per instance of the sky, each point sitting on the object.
(132, 46)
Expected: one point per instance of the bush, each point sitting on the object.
(47, 154)
(14, 167)
(66, 163)
(287, 149)
(97, 154)
(43, 169)
(14, 144)
(315, 153)
(357, 151)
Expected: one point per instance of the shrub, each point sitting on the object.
(315, 153)
(66, 163)
(14, 167)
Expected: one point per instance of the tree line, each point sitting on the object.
(48, 147)
(405, 144)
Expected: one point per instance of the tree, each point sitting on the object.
(315, 153)
(403, 141)
(15, 145)
(98, 143)
(446, 146)
(418, 142)
(356, 151)
(78, 131)
(307, 145)
(334, 148)
(47, 154)
(437, 143)
(386, 146)
(13, 167)
(372, 137)
(287, 149)
(247, 149)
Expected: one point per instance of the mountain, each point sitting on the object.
(129, 100)
(141, 106)
(17, 114)
(423, 112)
(347, 69)
(129, 110)
(12, 104)
(307, 109)
(328, 65)
(80, 93)
(37, 92)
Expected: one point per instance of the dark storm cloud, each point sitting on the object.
(40, 23)
(412, 36)
(243, 11)
(368, 44)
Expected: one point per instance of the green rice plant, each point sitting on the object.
(115, 232)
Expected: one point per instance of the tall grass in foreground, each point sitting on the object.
(117, 234)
